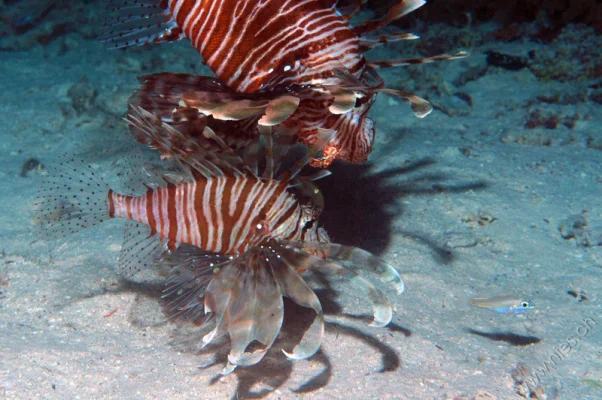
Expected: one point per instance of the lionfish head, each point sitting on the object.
(243, 296)
(353, 141)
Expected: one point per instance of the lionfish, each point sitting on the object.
(236, 241)
(308, 47)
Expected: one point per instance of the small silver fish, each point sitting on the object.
(503, 304)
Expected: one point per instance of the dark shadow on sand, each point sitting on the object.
(360, 205)
(275, 370)
(508, 337)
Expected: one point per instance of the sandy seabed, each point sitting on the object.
(465, 203)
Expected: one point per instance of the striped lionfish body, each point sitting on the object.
(249, 43)
(226, 214)
(308, 47)
(234, 241)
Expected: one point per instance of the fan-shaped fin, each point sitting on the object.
(421, 107)
(368, 43)
(209, 164)
(354, 258)
(72, 197)
(138, 23)
(278, 110)
(295, 288)
(383, 312)
(141, 248)
(247, 302)
(344, 101)
(256, 311)
(270, 109)
(268, 151)
(190, 271)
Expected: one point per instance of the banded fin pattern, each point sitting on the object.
(243, 296)
(138, 22)
(248, 44)
(262, 47)
(141, 248)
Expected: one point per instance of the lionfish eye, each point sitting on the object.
(358, 102)
(309, 224)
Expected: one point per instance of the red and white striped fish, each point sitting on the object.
(236, 242)
(307, 46)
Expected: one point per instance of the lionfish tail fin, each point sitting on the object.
(72, 197)
(137, 23)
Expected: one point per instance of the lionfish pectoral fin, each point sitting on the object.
(344, 101)
(141, 248)
(268, 151)
(256, 312)
(224, 106)
(161, 93)
(368, 43)
(250, 312)
(228, 369)
(420, 106)
(138, 23)
(188, 152)
(279, 110)
(311, 342)
(356, 259)
(382, 310)
(295, 288)
(216, 299)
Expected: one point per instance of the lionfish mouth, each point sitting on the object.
(243, 296)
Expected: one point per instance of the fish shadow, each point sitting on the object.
(262, 379)
(274, 370)
(511, 338)
(361, 205)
